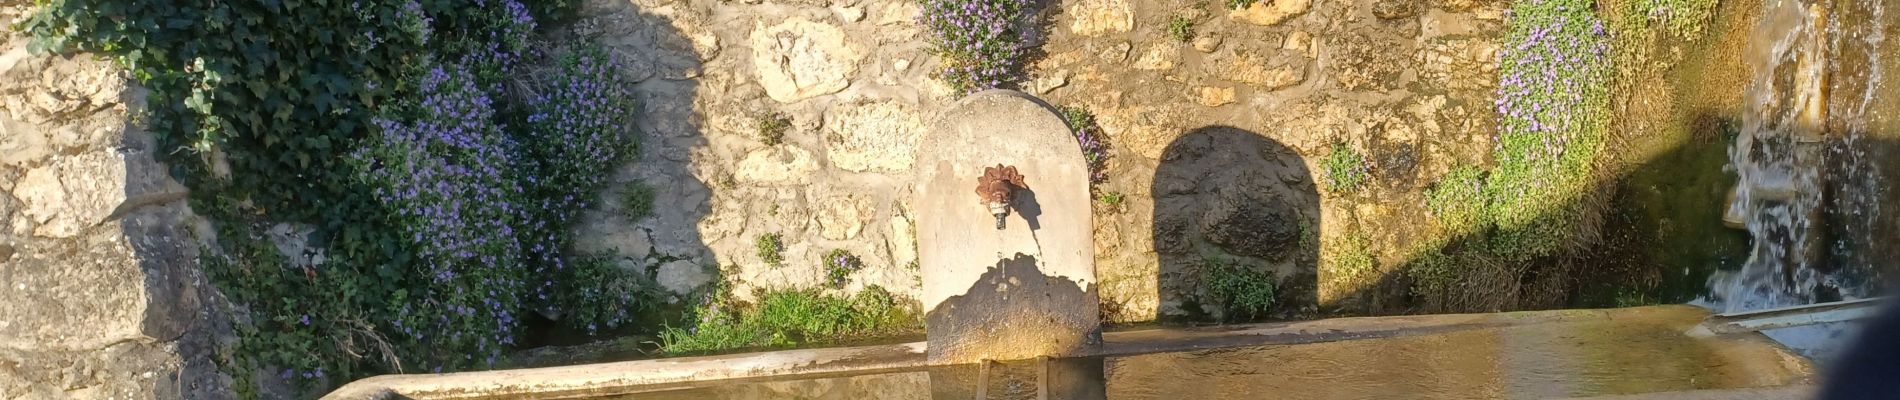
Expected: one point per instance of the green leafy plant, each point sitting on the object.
(1238, 289)
(637, 201)
(839, 264)
(438, 193)
(772, 129)
(602, 296)
(792, 318)
(1239, 4)
(1345, 169)
(1181, 28)
(1112, 199)
(770, 249)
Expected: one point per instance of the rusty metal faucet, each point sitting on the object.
(997, 187)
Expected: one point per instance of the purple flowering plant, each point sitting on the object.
(1552, 106)
(981, 42)
(1094, 143)
(839, 265)
(441, 169)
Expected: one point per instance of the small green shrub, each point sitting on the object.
(637, 201)
(602, 295)
(1240, 4)
(1239, 290)
(1434, 273)
(792, 318)
(772, 129)
(1181, 28)
(770, 249)
(1345, 169)
(1112, 199)
(839, 264)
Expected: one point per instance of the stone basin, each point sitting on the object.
(1642, 351)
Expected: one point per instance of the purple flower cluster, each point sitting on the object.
(1551, 83)
(1094, 146)
(443, 173)
(979, 41)
(839, 264)
(482, 209)
(494, 56)
(573, 130)
(415, 22)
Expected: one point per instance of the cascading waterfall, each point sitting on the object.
(1799, 156)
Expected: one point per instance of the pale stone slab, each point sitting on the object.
(983, 299)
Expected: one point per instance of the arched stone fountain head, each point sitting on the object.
(1023, 286)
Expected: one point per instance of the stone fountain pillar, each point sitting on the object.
(1025, 289)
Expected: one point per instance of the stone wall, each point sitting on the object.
(1406, 82)
(99, 282)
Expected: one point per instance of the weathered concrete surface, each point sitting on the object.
(1621, 351)
(633, 376)
(1050, 226)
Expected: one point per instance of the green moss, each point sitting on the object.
(1309, 236)
(637, 201)
(1354, 262)
(792, 318)
(1345, 169)
(770, 249)
(772, 129)
(1181, 28)
(1239, 290)
(1458, 201)
(1683, 18)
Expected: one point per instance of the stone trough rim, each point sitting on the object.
(642, 376)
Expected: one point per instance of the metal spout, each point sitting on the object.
(995, 189)
(1001, 211)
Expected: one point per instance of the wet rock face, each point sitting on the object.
(1227, 194)
(1251, 221)
(1369, 62)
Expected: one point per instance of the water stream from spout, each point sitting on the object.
(1807, 193)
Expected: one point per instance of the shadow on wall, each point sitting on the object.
(1014, 309)
(1232, 207)
(664, 247)
(1662, 238)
